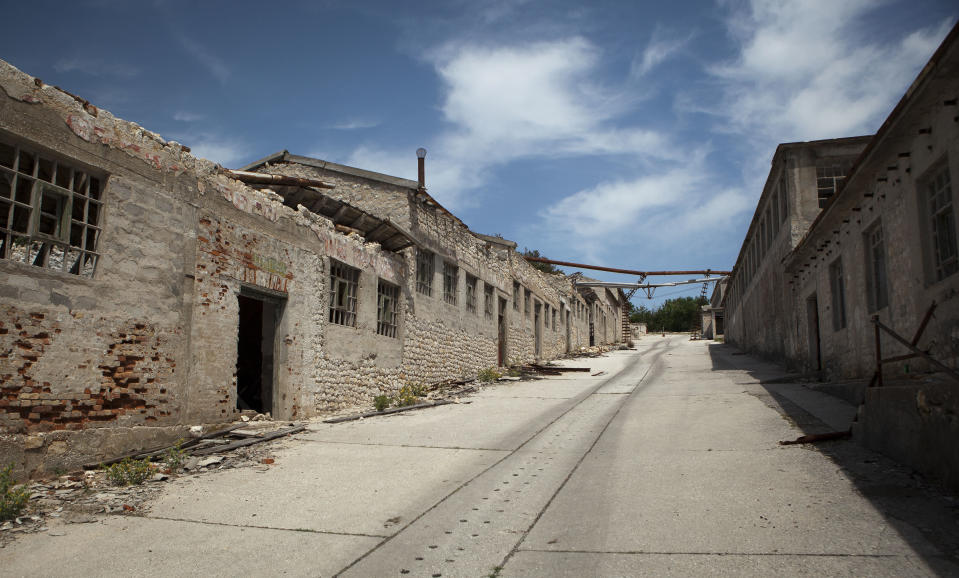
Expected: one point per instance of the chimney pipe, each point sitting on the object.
(421, 165)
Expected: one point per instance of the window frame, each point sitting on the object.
(939, 222)
(343, 306)
(470, 297)
(425, 271)
(30, 178)
(387, 318)
(450, 282)
(488, 301)
(877, 281)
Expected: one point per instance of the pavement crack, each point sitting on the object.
(307, 530)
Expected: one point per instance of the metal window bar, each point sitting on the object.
(343, 285)
(424, 272)
(470, 293)
(450, 277)
(387, 296)
(49, 212)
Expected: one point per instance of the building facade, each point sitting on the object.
(144, 290)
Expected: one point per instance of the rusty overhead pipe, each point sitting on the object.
(627, 271)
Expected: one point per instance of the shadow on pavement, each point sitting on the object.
(923, 513)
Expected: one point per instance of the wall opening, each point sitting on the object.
(255, 350)
(502, 357)
(569, 333)
(812, 329)
(537, 331)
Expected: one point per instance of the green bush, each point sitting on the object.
(130, 472)
(174, 457)
(13, 499)
(489, 374)
(381, 402)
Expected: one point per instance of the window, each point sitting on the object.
(838, 287)
(470, 293)
(526, 302)
(942, 222)
(553, 312)
(424, 272)
(49, 212)
(876, 268)
(829, 176)
(546, 315)
(387, 295)
(450, 277)
(343, 282)
(488, 300)
(516, 292)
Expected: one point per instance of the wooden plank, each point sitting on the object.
(248, 442)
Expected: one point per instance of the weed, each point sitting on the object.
(514, 372)
(12, 498)
(418, 389)
(175, 457)
(381, 402)
(495, 572)
(489, 374)
(407, 396)
(129, 472)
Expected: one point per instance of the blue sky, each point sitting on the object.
(631, 134)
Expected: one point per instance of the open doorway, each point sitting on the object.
(255, 350)
(538, 331)
(501, 334)
(812, 328)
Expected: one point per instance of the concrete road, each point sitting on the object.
(666, 464)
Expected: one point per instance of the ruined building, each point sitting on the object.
(852, 230)
(144, 290)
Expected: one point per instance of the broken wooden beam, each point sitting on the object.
(248, 442)
(813, 438)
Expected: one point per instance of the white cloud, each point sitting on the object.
(355, 124)
(509, 103)
(187, 116)
(96, 67)
(662, 45)
(213, 63)
(219, 149)
(807, 70)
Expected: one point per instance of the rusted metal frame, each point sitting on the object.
(899, 358)
(948, 370)
(626, 271)
(282, 180)
(877, 377)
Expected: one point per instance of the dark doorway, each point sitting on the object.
(812, 327)
(569, 333)
(719, 329)
(259, 316)
(537, 331)
(501, 334)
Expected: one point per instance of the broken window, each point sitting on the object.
(553, 312)
(470, 293)
(488, 300)
(838, 286)
(424, 272)
(829, 176)
(450, 278)
(526, 298)
(49, 212)
(387, 295)
(516, 295)
(343, 284)
(876, 268)
(942, 222)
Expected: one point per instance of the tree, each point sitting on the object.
(681, 314)
(544, 267)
